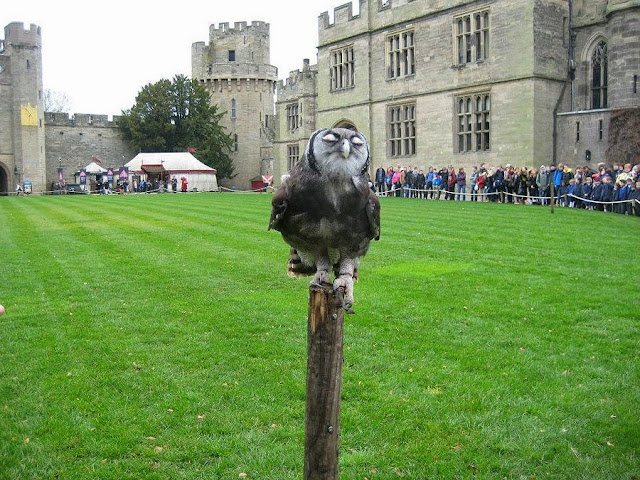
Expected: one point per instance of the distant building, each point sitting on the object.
(234, 67)
(34, 144)
(296, 117)
(22, 143)
(435, 82)
(429, 82)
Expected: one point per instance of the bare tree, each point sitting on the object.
(624, 137)
(56, 102)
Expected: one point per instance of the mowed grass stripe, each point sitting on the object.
(475, 350)
(201, 221)
(103, 238)
(160, 239)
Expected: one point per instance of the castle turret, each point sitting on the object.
(235, 69)
(623, 19)
(22, 139)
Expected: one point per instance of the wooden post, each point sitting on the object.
(324, 383)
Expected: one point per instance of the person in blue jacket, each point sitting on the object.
(380, 179)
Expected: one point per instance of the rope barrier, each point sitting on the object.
(613, 202)
(98, 192)
(255, 190)
(432, 193)
(426, 194)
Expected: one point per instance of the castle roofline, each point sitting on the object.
(240, 26)
(17, 33)
(341, 14)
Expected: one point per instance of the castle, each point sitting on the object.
(234, 68)
(35, 144)
(429, 82)
(443, 82)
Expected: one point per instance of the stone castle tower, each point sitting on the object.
(234, 67)
(22, 134)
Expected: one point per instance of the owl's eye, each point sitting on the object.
(330, 137)
(357, 141)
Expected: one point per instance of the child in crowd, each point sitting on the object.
(607, 192)
(635, 196)
(587, 188)
(569, 200)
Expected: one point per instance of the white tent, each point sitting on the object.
(200, 177)
(90, 170)
(94, 168)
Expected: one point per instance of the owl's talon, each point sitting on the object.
(345, 281)
(321, 277)
(339, 292)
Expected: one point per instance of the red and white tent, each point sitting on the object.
(200, 177)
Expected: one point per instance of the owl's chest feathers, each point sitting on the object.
(331, 207)
(331, 198)
(339, 196)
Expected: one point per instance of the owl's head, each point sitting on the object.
(338, 150)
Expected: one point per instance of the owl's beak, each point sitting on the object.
(345, 148)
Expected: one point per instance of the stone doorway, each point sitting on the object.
(4, 181)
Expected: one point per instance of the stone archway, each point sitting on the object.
(4, 181)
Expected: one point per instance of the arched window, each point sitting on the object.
(599, 76)
(233, 108)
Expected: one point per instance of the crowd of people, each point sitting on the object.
(615, 189)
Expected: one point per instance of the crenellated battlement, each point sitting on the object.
(241, 51)
(380, 12)
(296, 77)
(377, 14)
(16, 33)
(63, 119)
(255, 26)
(341, 14)
(345, 23)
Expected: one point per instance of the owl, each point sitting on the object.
(326, 210)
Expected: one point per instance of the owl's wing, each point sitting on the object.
(372, 207)
(373, 214)
(279, 205)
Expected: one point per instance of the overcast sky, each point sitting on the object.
(100, 54)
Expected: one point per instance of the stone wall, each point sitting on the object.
(581, 132)
(73, 141)
(580, 129)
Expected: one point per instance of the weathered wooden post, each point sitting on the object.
(324, 383)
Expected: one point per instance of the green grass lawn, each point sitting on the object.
(158, 337)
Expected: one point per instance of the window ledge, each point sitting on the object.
(586, 111)
(340, 90)
(460, 66)
(411, 76)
